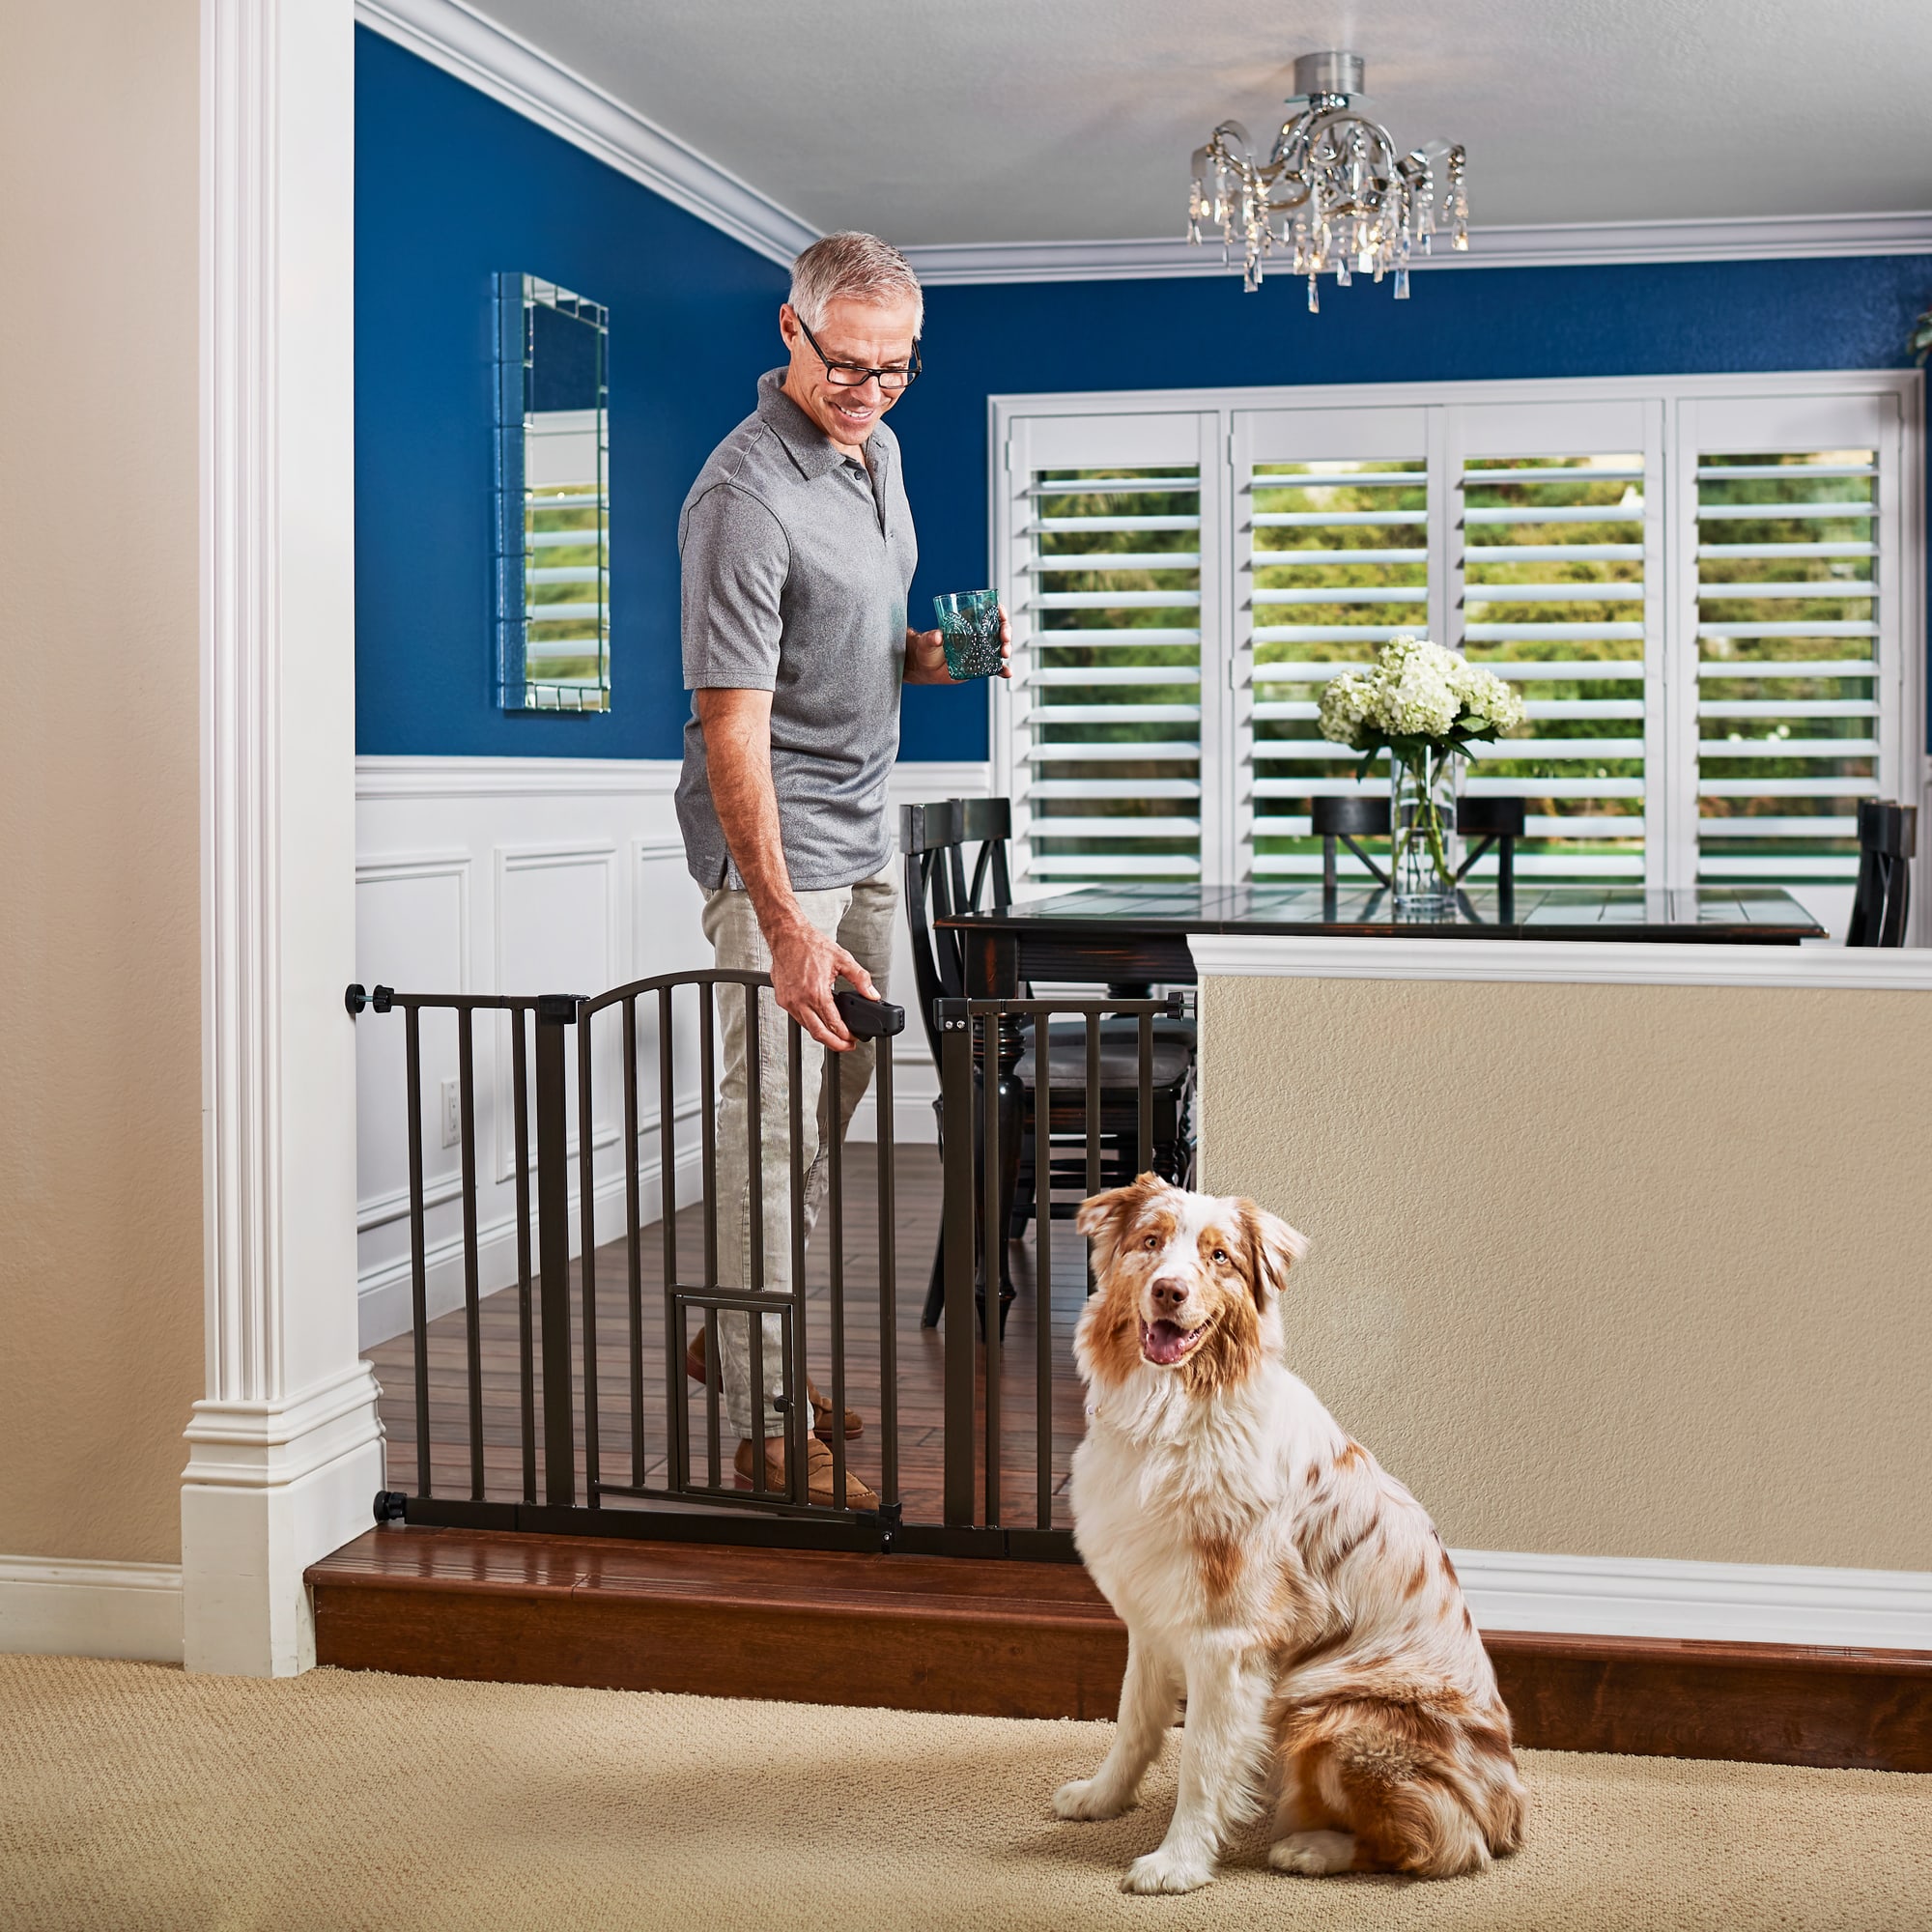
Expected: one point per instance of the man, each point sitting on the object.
(797, 550)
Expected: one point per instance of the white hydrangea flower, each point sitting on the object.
(1416, 688)
(1489, 700)
(1346, 702)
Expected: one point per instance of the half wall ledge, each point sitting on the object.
(1570, 962)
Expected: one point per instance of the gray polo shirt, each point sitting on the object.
(796, 563)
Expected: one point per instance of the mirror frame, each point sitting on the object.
(518, 296)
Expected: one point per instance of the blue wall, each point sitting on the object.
(452, 188)
(1460, 324)
(449, 188)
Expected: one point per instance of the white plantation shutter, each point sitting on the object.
(1701, 588)
(1108, 524)
(1798, 635)
(1332, 548)
(1559, 563)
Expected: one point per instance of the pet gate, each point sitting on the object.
(568, 1379)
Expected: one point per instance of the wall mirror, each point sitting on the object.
(553, 499)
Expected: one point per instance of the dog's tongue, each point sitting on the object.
(1165, 1342)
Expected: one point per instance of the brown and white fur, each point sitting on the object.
(1268, 1570)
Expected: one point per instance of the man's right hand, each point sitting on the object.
(806, 967)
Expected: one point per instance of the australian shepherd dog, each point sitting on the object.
(1269, 1572)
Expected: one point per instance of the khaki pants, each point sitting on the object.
(860, 918)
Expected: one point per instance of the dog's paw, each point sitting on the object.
(1084, 1797)
(1163, 1870)
(1313, 1854)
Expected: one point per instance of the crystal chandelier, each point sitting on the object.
(1344, 200)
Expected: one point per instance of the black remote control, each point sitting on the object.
(867, 1019)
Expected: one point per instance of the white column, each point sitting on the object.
(285, 1452)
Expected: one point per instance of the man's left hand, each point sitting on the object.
(926, 655)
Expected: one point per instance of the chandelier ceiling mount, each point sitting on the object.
(1334, 194)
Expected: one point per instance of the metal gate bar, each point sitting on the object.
(981, 1044)
(545, 1317)
(526, 1317)
(692, 1495)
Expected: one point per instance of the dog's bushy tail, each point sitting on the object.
(1431, 1792)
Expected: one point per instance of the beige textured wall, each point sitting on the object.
(101, 1306)
(1605, 1270)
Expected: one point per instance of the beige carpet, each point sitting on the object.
(136, 1798)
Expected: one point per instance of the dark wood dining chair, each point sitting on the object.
(1497, 822)
(1344, 820)
(1341, 821)
(1887, 837)
(933, 844)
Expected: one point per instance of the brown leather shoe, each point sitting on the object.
(817, 1473)
(821, 1410)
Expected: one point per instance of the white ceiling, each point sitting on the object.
(1073, 120)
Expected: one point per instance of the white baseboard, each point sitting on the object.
(81, 1609)
(1732, 1603)
(915, 1088)
(383, 1294)
(133, 1611)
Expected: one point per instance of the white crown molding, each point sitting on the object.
(913, 779)
(1548, 245)
(1568, 962)
(509, 70)
(515, 778)
(65, 1606)
(1730, 1603)
(921, 781)
(512, 70)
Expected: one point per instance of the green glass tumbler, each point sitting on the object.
(969, 626)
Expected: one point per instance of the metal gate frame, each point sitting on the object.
(681, 1509)
(981, 1044)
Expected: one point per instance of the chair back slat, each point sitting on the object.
(926, 833)
(932, 842)
(1490, 817)
(1364, 816)
(990, 822)
(1882, 899)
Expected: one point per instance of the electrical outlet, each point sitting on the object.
(452, 1112)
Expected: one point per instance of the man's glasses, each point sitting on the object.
(852, 375)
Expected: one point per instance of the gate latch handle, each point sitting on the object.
(867, 1019)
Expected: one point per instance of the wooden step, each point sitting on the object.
(995, 1639)
(1013, 1639)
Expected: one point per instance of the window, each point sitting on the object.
(1336, 561)
(1115, 761)
(1790, 546)
(1697, 583)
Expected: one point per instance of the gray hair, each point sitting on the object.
(857, 267)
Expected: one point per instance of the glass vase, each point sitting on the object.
(1422, 835)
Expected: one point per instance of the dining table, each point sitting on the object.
(1134, 935)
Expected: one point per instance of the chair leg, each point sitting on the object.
(935, 1288)
(1010, 1097)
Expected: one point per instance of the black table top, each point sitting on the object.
(1752, 915)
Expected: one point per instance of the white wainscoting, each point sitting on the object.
(534, 875)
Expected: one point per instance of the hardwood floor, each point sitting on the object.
(639, 1458)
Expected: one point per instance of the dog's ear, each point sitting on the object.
(1106, 1217)
(1273, 1248)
